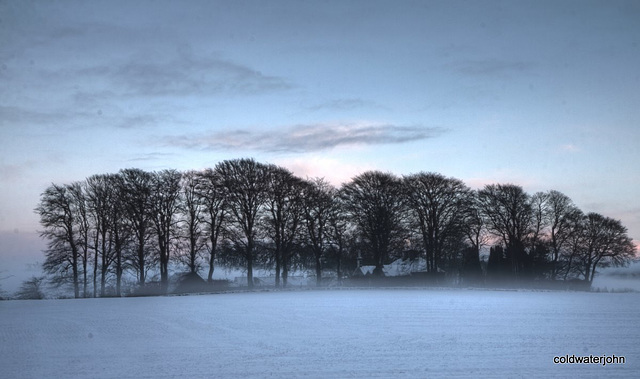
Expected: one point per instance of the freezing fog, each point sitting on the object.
(323, 333)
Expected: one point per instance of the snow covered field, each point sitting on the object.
(333, 333)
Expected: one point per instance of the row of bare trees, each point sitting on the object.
(244, 213)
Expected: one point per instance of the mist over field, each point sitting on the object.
(619, 278)
(21, 257)
(323, 333)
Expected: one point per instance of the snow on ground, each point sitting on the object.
(318, 334)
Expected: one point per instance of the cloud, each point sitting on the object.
(151, 157)
(48, 122)
(141, 121)
(571, 148)
(185, 75)
(10, 115)
(13, 172)
(345, 105)
(503, 176)
(306, 138)
(335, 171)
(490, 67)
(69, 118)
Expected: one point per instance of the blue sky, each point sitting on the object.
(544, 94)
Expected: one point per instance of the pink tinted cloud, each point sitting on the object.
(499, 177)
(571, 148)
(333, 170)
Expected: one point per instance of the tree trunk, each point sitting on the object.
(211, 268)
(250, 265)
(95, 273)
(103, 266)
(192, 257)
(285, 269)
(85, 280)
(141, 261)
(318, 271)
(103, 280)
(164, 261)
(118, 273)
(278, 264)
(76, 284)
(285, 273)
(593, 270)
(164, 272)
(554, 265)
(212, 255)
(339, 267)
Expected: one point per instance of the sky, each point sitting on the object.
(543, 94)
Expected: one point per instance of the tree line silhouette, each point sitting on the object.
(248, 214)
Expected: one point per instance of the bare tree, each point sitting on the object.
(245, 184)
(77, 192)
(192, 221)
(318, 203)
(135, 195)
(253, 210)
(3, 294)
(570, 255)
(101, 201)
(31, 289)
(539, 210)
(476, 235)
(508, 215)
(562, 216)
(57, 211)
(373, 201)
(283, 205)
(473, 224)
(339, 232)
(605, 243)
(121, 233)
(164, 210)
(212, 194)
(438, 204)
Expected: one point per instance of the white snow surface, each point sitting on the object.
(379, 333)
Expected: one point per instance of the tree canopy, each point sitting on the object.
(244, 213)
